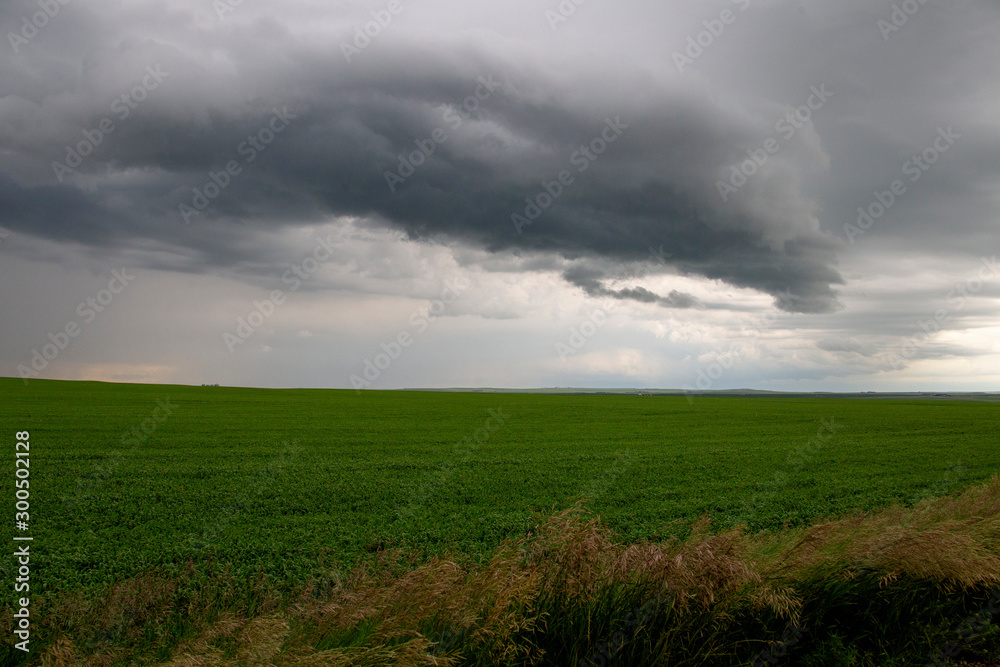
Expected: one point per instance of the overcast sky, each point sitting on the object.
(776, 194)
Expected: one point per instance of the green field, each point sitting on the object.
(300, 482)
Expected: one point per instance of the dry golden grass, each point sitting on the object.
(953, 541)
(390, 612)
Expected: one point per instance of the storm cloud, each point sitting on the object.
(445, 138)
(632, 150)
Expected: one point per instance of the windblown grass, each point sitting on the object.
(887, 588)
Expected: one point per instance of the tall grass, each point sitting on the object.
(888, 588)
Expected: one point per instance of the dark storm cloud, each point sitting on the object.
(654, 183)
(642, 218)
(590, 281)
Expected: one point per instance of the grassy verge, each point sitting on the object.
(903, 586)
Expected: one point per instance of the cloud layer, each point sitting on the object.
(632, 150)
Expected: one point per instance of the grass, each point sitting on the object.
(895, 587)
(241, 498)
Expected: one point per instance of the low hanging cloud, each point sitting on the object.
(441, 140)
(590, 281)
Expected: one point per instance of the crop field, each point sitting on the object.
(296, 483)
(176, 526)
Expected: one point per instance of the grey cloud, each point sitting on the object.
(850, 344)
(590, 281)
(655, 185)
